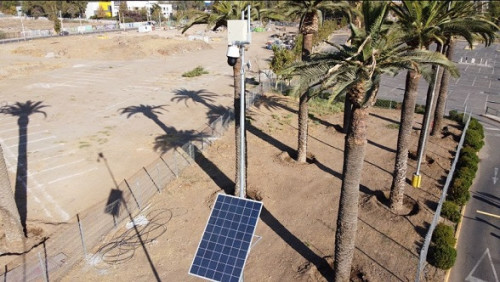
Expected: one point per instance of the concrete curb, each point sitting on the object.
(457, 235)
(492, 117)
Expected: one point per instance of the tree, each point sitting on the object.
(356, 70)
(222, 12)
(8, 7)
(422, 22)
(473, 24)
(310, 15)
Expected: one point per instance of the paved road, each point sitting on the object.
(479, 242)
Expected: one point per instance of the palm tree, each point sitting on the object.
(473, 24)
(422, 22)
(222, 11)
(23, 111)
(356, 70)
(310, 14)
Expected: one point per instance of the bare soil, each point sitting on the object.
(298, 221)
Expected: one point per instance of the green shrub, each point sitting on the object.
(459, 191)
(467, 174)
(454, 115)
(468, 151)
(469, 162)
(195, 72)
(474, 139)
(451, 211)
(474, 124)
(420, 109)
(443, 235)
(442, 256)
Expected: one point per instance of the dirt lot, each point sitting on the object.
(86, 80)
(300, 205)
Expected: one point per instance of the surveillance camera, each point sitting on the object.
(233, 53)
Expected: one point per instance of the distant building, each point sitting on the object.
(111, 8)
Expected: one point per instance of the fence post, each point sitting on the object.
(132, 192)
(81, 235)
(138, 186)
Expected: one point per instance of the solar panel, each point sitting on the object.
(225, 243)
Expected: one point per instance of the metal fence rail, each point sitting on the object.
(86, 235)
(437, 214)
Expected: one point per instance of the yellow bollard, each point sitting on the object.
(416, 180)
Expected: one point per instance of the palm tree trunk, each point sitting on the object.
(347, 114)
(400, 167)
(303, 107)
(354, 153)
(443, 93)
(11, 221)
(429, 107)
(237, 133)
(303, 128)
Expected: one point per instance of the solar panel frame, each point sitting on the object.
(226, 240)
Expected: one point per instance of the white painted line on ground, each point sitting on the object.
(46, 148)
(72, 175)
(56, 167)
(494, 135)
(33, 141)
(29, 134)
(492, 128)
(53, 156)
(471, 278)
(8, 123)
(12, 129)
(466, 99)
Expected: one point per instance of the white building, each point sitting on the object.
(93, 6)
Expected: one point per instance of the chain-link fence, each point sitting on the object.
(89, 230)
(437, 214)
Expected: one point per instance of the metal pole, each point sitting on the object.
(242, 123)
(427, 123)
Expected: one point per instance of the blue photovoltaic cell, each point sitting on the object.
(225, 243)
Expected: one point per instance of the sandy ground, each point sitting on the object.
(297, 224)
(84, 81)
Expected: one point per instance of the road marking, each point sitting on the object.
(488, 214)
(492, 128)
(31, 134)
(475, 279)
(56, 167)
(466, 99)
(71, 176)
(33, 141)
(495, 178)
(15, 128)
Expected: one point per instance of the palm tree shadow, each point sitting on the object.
(23, 111)
(148, 111)
(202, 96)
